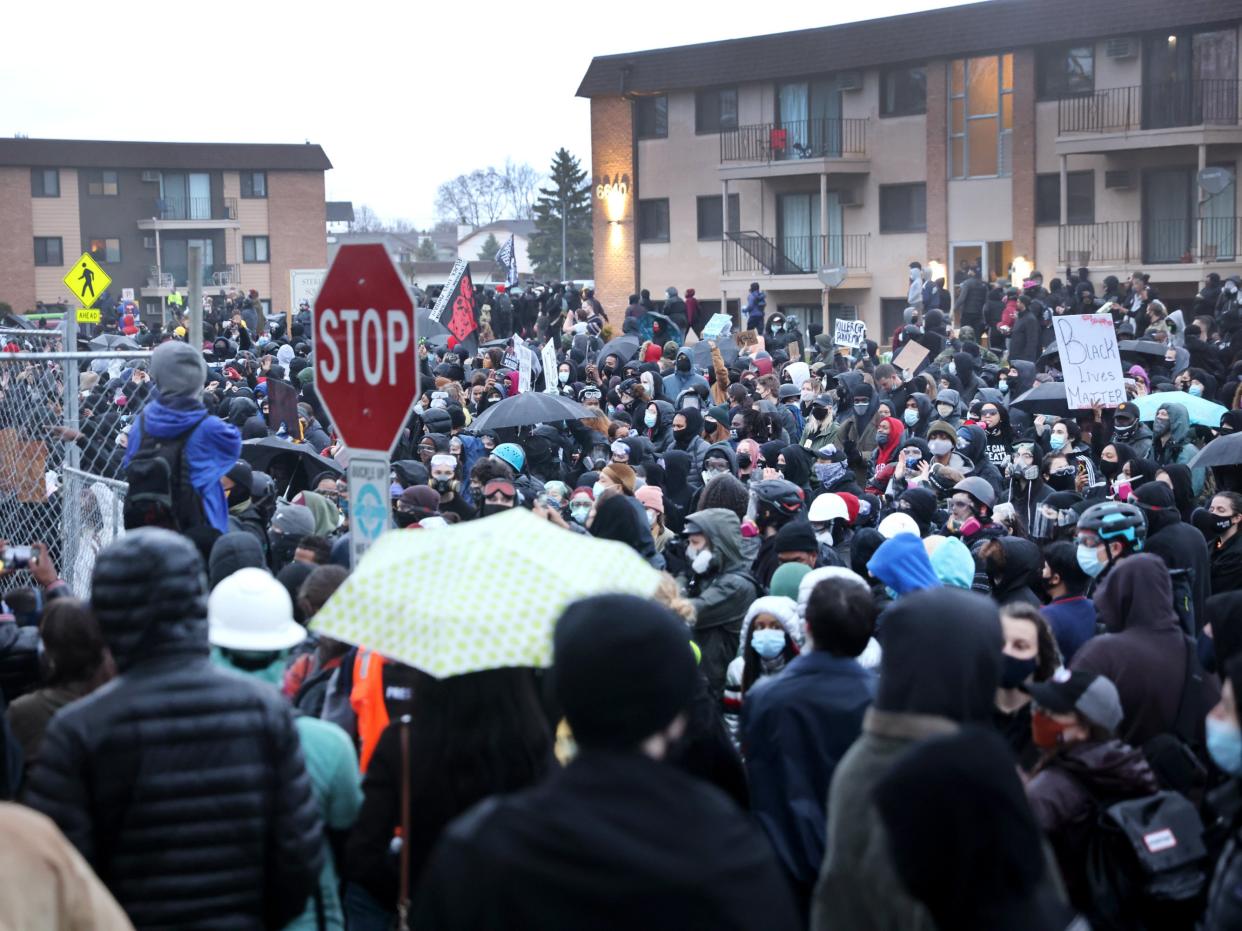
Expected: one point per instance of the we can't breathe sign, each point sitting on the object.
(1090, 360)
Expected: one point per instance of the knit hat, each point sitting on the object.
(942, 426)
(241, 474)
(622, 475)
(293, 520)
(178, 370)
(852, 505)
(651, 497)
(419, 500)
(786, 579)
(622, 669)
(795, 537)
(1090, 694)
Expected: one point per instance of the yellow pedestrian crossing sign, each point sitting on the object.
(87, 280)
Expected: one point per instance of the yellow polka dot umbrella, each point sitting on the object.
(480, 595)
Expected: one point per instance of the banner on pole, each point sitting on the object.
(460, 267)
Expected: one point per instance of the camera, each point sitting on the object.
(17, 557)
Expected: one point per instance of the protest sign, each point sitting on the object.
(550, 383)
(852, 333)
(1090, 361)
(718, 326)
(911, 356)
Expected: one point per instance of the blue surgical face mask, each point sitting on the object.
(563, 376)
(1056, 441)
(649, 419)
(911, 417)
(1002, 386)
(1089, 560)
(768, 643)
(598, 489)
(1196, 390)
(1224, 744)
(580, 513)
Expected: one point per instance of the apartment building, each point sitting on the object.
(256, 211)
(1000, 135)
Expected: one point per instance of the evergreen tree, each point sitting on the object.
(426, 250)
(487, 251)
(569, 194)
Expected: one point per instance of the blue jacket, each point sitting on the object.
(1072, 621)
(212, 450)
(795, 728)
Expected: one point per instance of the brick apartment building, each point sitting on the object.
(257, 211)
(997, 134)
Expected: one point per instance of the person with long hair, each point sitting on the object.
(470, 737)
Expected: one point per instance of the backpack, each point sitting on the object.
(1174, 756)
(1146, 865)
(1184, 599)
(160, 493)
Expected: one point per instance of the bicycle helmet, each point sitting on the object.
(511, 454)
(1115, 521)
(979, 489)
(828, 507)
(781, 496)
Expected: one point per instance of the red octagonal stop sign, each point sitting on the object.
(366, 357)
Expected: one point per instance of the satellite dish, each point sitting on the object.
(832, 276)
(1215, 180)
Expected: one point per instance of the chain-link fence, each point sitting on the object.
(64, 423)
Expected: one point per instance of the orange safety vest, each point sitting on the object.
(367, 700)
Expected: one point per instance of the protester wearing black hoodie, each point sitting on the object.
(1179, 544)
(1024, 341)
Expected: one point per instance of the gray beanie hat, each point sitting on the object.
(178, 370)
(293, 520)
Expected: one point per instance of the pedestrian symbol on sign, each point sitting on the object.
(87, 280)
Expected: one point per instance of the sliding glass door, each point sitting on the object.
(1168, 214)
(806, 247)
(810, 114)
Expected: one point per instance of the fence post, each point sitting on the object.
(70, 507)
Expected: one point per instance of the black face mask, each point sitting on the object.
(1014, 671)
(683, 364)
(404, 519)
(684, 434)
(490, 508)
(1110, 469)
(1062, 480)
(282, 550)
(1209, 524)
(442, 484)
(238, 495)
(1125, 431)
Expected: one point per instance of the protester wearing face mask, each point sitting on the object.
(444, 482)
(652, 500)
(1225, 540)
(832, 472)
(821, 428)
(1030, 655)
(1069, 613)
(1224, 745)
(580, 504)
(415, 504)
(770, 638)
(1130, 430)
(720, 587)
(1075, 723)
(499, 495)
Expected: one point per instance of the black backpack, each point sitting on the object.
(160, 493)
(1147, 865)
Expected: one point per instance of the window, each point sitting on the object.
(709, 216)
(102, 184)
(715, 111)
(254, 184)
(254, 249)
(45, 182)
(981, 116)
(106, 251)
(1080, 199)
(652, 117)
(903, 91)
(653, 220)
(48, 250)
(1065, 71)
(903, 208)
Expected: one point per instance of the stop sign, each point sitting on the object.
(366, 363)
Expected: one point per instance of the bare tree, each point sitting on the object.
(456, 200)
(366, 221)
(521, 185)
(486, 195)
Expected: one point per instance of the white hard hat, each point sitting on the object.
(898, 522)
(251, 611)
(826, 507)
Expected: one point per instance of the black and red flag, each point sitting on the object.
(463, 321)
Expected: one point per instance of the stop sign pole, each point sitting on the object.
(366, 374)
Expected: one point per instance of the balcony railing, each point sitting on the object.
(793, 140)
(178, 276)
(1151, 242)
(195, 208)
(753, 253)
(156, 278)
(224, 276)
(1151, 106)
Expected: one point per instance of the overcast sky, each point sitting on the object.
(401, 97)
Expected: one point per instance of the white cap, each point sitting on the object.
(251, 611)
(898, 522)
(826, 507)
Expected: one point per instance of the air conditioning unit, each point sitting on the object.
(1121, 180)
(1122, 47)
(150, 174)
(849, 199)
(850, 80)
(148, 242)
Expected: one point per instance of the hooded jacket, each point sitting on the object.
(902, 564)
(1179, 544)
(661, 435)
(785, 610)
(676, 381)
(1175, 446)
(964, 369)
(1018, 569)
(1143, 651)
(933, 678)
(120, 775)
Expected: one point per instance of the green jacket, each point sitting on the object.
(816, 436)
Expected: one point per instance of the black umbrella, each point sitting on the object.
(530, 407)
(701, 352)
(300, 462)
(1222, 451)
(1142, 347)
(624, 348)
(114, 341)
(426, 326)
(1045, 398)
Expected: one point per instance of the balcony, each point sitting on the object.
(167, 278)
(191, 213)
(1170, 113)
(799, 147)
(794, 261)
(1133, 243)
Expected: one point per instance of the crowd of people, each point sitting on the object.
(924, 655)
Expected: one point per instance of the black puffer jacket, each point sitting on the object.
(181, 784)
(19, 659)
